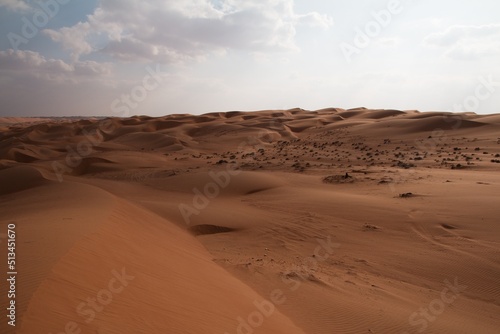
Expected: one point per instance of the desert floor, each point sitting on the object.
(318, 222)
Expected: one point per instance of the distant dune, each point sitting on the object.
(275, 221)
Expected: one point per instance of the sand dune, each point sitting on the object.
(276, 221)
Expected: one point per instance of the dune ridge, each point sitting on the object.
(274, 221)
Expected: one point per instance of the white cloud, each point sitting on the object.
(26, 64)
(15, 5)
(73, 39)
(175, 30)
(470, 42)
(32, 84)
(315, 20)
(388, 42)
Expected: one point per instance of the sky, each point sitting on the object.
(123, 58)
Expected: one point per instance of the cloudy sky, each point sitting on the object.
(156, 57)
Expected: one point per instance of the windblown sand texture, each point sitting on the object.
(353, 219)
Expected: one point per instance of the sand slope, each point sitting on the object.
(292, 221)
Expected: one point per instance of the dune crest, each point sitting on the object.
(274, 221)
